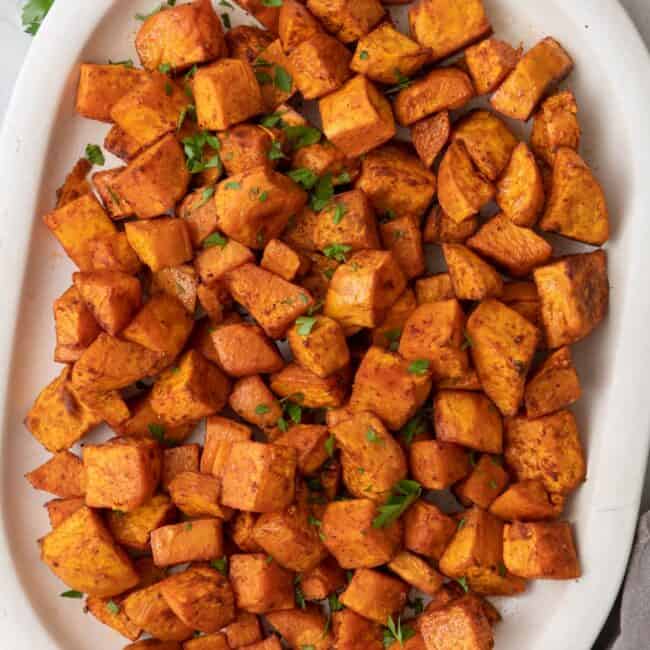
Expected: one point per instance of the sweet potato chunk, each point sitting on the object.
(543, 65)
(177, 460)
(252, 400)
(442, 89)
(226, 93)
(372, 460)
(110, 612)
(75, 184)
(267, 14)
(296, 24)
(161, 243)
(219, 256)
(216, 641)
(490, 62)
(403, 238)
(245, 42)
(133, 529)
(574, 294)
(277, 77)
(352, 539)
(430, 136)
(196, 541)
(349, 22)
(416, 571)
(390, 387)
(113, 253)
(122, 145)
(363, 289)
(243, 349)
(447, 26)
(503, 345)
(81, 552)
(435, 288)
(527, 501)
(243, 631)
(221, 434)
(261, 585)
(199, 214)
(471, 277)
(282, 260)
(375, 595)
(385, 52)
(58, 510)
(541, 550)
(259, 477)
(388, 334)
(117, 207)
(438, 465)
(198, 495)
(427, 530)
(353, 632)
(121, 474)
(302, 627)
(555, 126)
(180, 282)
(357, 118)
(322, 580)
(62, 475)
(484, 484)
(576, 207)
(546, 448)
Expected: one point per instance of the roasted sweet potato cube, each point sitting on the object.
(243, 631)
(430, 135)
(375, 595)
(387, 335)
(121, 474)
(216, 641)
(438, 465)
(259, 477)
(245, 42)
(178, 281)
(416, 572)
(386, 55)
(226, 93)
(271, 300)
(390, 386)
(220, 255)
(109, 364)
(574, 294)
(177, 460)
(300, 231)
(520, 190)
(192, 390)
(576, 207)
(281, 260)
(198, 495)
(58, 417)
(113, 253)
(102, 86)
(320, 65)
(523, 298)
(349, 22)
(309, 442)
(110, 612)
(181, 37)
(487, 480)
(468, 419)
(353, 632)
(543, 550)
(75, 184)
(427, 530)
(296, 24)
(351, 538)
(323, 580)
(503, 346)
(556, 125)
(435, 288)
(148, 609)
(276, 77)
(161, 243)
(441, 89)
(76, 224)
(243, 349)
(111, 296)
(155, 180)
(261, 585)
(252, 400)
(221, 434)
(302, 627)
(471, 277)
(488, 141)
(121, 144)
(244, 147)
(447, 26)
(527, 501)
(357, 118)
(546, 448)
(441, 229)
(200, 540)
(434, 331)
(490, 62)
(199, 214)
(133, 529)
(462, 191)
(372, 460)
(363, 289)
(461, 624)
(316, 392)
(543, 65)
(270, 643)
(58, 510)
(81, 552)
(62, 475)
(210, 299)
(396, 181)
(241, 532)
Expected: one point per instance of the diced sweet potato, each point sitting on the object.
(471, 277)
(316, 392)
(58, 510)
(427, 530)
(309, 442)
(220, 255)
(177, 460)
(199, 214)
(216, 641)
(62, 475)
(523, 298)
(113, 253)
(196, 541)
(442, 89)
(221, 434)
(388, 334)
(576, 207)
(323, 580)
(434, 288)
(81, 552)
(245, 42)
(282, 260)
(353, 632)
(503, 346)
(252, 400)
(447, 26)
(357, 118)
(490, 62)
(543, 65)
(75, 184)
(302, 627)
(348, 21)
(296, 24)
(441, 229)
(276, 78)
(546, 448)
(544, 550)
(438, 465)
(527, 501)
(430, 135)
(260, 584)
(556, 125)
(324, 158)
(574, 295)
(244, 630)
(178, 281)
(122, 145)
(375, 595)
(121, 474)
(416, 572)
(198, 495)
(110, 612)
(161, 243)
(487, 480)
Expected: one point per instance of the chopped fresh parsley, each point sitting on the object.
(165, 68)
(127, 63)
(322, 194)
(374, 437)
(305, 324)
(363, 55)
(275, 152)
(221, 565)
(225, 3)
(399, 632)
(340, 211)
(402, 83)
(330, 444)
(215, 239)
(226, 20)
(113, 607)
(463, 583)
(282, 80)
(189, 110)
(337, 252)
(263, 77)
(272, 3)
(206, 195)
(302, 136)
(233, 185)
(413, 427)
(72, 593)
(335, 604)
(467, 343)
(300, 596)
(273, 120)
(419, 367)
(194, 147)
(95, 154)
(404, 493)
(304, 177)
(262, 409)
(392, 337)
(33, 14)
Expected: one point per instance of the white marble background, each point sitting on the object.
(14, 44)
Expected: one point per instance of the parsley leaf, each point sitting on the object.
(194, 152)
(221, 565)
(374, 437)
(337, 252)
(363, 55)
(467, 343)
(215, 239)
(392, 337)
(302, 136)
(335, 604)
(282, 79)
(113, 607)
(262, 409)
(190, 110)
(275, 152)
(283, 425)
(95, 154)
(225, 3)
(272, 120)
(399, 632)
(340, 211)
(226, 20)
(233, 185)
(127, 63)
(300, 596)
(304, 177)
(322, 194)
(305, 324)
(404, 493)
(413, 427)
(263, 77)
(330, 443)
(272, 3)
(419, 367)
(463, 583)
(71, 594)
(206, 195)
(402, 83)
(33, 14)
(165, 68)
